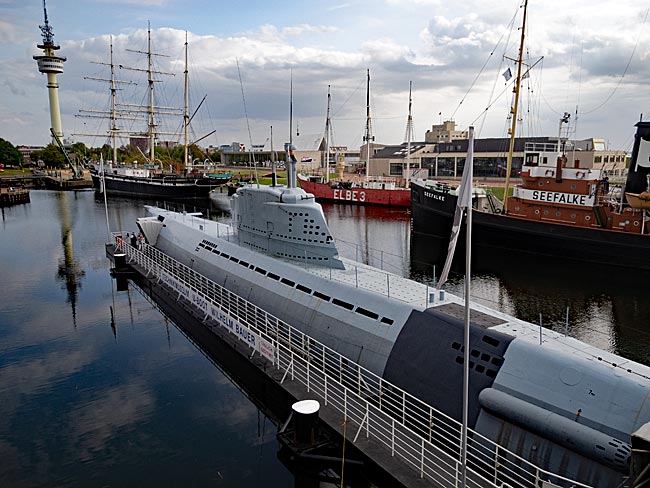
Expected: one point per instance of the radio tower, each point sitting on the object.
(51, 64)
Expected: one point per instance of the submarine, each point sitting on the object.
(561, 404)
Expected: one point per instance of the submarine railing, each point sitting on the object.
(425, 438)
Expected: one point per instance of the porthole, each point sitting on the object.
(573, 216)
(558, 214)
(636, 223)
(545, 212)
(587, 217)
(541, 183)
(517, 208)
(537, 212)
(573, 186)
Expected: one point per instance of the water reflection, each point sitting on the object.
(605, 304)
(69, 271)
(378, 236)
(77, 407)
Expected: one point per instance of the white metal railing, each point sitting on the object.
(426, 439)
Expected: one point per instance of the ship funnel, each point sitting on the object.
(640, 164)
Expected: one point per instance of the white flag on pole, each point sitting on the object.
(463, 202)
(101, 173)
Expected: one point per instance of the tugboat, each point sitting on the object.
(564, 405)
(561, 209)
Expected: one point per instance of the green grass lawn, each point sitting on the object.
(15, 171)
(498, 191)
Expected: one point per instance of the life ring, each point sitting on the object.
(580, 175)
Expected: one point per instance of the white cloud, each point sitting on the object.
(96, 422)
(440, 46)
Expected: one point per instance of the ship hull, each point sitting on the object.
(432, 213)
(174, 189)
(398, 197)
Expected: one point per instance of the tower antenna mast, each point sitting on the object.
(51, 64)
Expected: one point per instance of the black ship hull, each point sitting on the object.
(156, 188)
(433, 212)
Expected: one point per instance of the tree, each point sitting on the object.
(80, 149)
(51, 155)
(9, 155)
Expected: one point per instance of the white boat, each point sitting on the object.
(557, 402)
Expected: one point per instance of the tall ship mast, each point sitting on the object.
(149, 181)
(151, 109)
(51, 64)
(382, 191)
(328, 130)
(409, 137)
(514, 109)
(368, 137)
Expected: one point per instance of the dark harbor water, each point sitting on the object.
(98, 388)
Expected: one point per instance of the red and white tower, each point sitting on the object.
(51, 64)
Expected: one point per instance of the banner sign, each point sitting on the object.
(264, 347)
(554, 197)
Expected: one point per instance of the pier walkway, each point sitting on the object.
(12, 196)
(418, 445)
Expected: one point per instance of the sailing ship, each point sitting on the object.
(564, 405)
(367, 191)
(148, 180)
(562, 209)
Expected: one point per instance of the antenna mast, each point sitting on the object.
(51, 64)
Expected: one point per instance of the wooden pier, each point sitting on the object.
(13, 196)
(51, 180)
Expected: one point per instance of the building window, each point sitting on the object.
(396, 169)
(445, 167)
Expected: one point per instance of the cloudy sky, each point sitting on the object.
(595, 58)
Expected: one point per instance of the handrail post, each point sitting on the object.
(367, 420)
(422, 461)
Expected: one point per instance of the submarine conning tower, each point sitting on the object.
(284, 222)
(637, 176)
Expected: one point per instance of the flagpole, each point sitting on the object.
(103, 187)
(468, 261)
